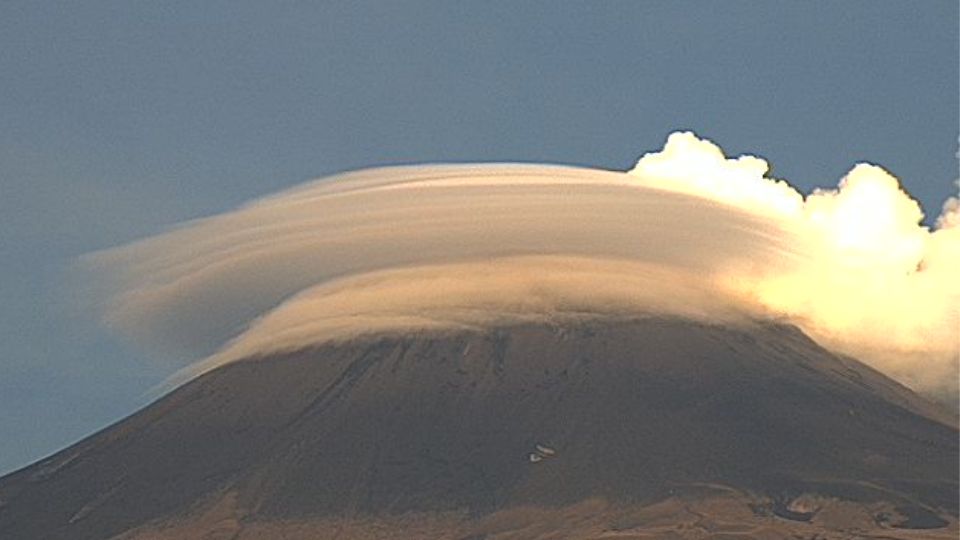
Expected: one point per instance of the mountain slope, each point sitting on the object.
(629, 413)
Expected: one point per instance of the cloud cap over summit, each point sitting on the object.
(687, 231)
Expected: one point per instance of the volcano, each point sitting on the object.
(630, 428)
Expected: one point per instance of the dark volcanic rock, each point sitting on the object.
(632, 412)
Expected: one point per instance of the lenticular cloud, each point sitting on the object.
(687, 232)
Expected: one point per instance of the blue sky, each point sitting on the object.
(118, 119)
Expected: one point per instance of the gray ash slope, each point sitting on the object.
(430, 422)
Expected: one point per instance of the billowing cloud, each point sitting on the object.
(686, 232)
(873, 283)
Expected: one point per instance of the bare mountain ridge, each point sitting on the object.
(444, 426)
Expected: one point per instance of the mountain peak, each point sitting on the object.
(616, 422)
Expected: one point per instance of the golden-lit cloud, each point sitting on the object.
(687, 232)
(873, 282)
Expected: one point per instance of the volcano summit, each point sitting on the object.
(690, 349)
(637, 428)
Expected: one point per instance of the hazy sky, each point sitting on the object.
(117, 119)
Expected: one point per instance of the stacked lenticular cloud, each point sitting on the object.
(687, 232)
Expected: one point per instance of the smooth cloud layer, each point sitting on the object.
(687, 232)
